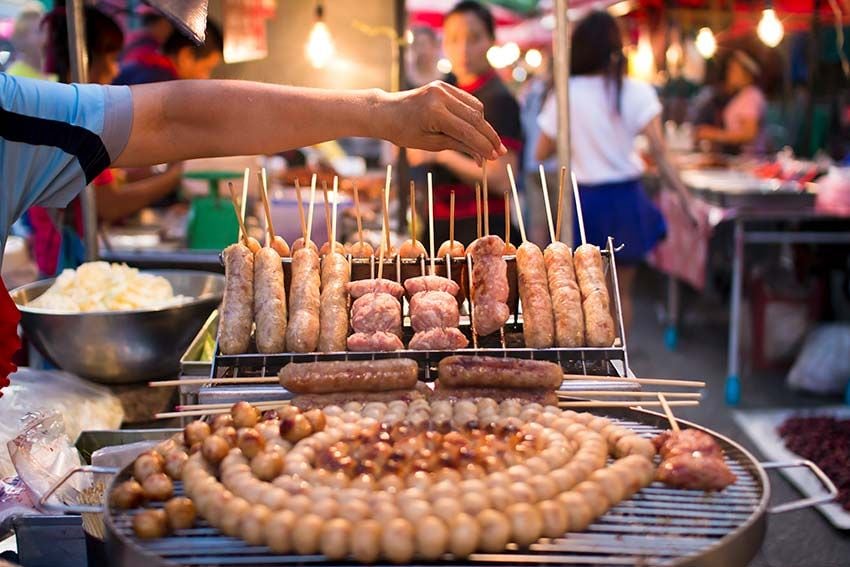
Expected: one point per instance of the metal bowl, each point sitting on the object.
(119, 347)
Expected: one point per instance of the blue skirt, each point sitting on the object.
(623, 211)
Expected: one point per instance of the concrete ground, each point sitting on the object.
(795, 539)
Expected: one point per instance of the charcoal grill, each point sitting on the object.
(658, 526)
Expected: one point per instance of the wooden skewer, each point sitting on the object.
(561, 183)
(413, 234)
(333, 218)
(485, 197)
(578, 208)
(327, 214)
(621, 404)
(478, 207)
(243, 234)
(670, 417)
(301, 211)
(241, 212)
(357, 215)
(644, 381)
(546, 202)
(516, 202)
(507, 218)
(381, 263)
(260, 404)
(264, 194)
(626, 393)
(310, 210)
(452, 218)
(385, 204)
(202, 381)
(431, 222)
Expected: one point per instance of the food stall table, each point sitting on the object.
(760, 218)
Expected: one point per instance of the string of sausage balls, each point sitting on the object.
(564, 295)
(392, 481)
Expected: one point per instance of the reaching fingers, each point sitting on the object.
(471, 113)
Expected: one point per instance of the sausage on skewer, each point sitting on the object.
(538, 327)
(269, 301)
(566, 296)
(333, 319)
(236, 307)
(302, 333)
(595, 301)
(489, 284)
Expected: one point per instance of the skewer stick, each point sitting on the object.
(301, 210)
(413, 233)
(385, 204)
(259, 404)
(310, 210)
(202, 381)
(620, 404)
(381, 263)
(451, 218)
(645, 381)
(431, 221)
(264, 193)
(327, 214)
(561, 182)
(243, 233)
(627, 394)
(485, 197)
(670, 417)
(546, 202)
(478, 207)
(578, 208)
(333, 218)
(507, 218)
(516, 202)
(244, 202)
(357, 215)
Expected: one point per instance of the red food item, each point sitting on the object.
(692, 459)
(9, 340)
(826, 442)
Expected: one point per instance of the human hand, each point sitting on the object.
(704, 132)
(438, 116)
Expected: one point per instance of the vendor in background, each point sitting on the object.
(739, 127)
(421, 57)
(56, 234)
(468, 32)
(608, 111)
(143, 45)
(28, 43)
(180, 59)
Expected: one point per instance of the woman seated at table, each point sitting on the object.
(739, 127)
(56, 234)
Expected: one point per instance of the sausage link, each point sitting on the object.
(598, 323)
(566, 296)
(349, 376)
(302, 333)
(495, 372)
(234, 332)
(269, 301)
(538, 323)
(333, 318)
(489, 285)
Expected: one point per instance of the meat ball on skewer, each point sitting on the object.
(244, 415)
(180, 512)
(215, 449)
(158, 487)
(147, 464)
(128, 494)
(150, 524)
(196, 432)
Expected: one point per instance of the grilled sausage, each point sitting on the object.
(451, 247)
(269, 301)
(280, 246)
(234, 334)
(302, 333)
(430, 283)
(489, 285)
(333, 318)
(492, 372)
(376, 312)
(349, 375)
(538, 324)
(566, 296)
(598, 323)
(360, 288)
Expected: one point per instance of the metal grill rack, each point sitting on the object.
(508, 343)
(658, 526)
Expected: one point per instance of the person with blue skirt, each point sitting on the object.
(608, 111)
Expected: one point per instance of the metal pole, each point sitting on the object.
(561, 72)
(80, 74)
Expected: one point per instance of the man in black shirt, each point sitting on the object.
(468, 32)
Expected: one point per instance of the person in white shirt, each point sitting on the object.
(608, 111)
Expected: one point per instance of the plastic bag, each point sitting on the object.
(81, 404)
(119, 456)
(823, 366)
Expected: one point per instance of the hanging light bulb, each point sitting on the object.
(320, 45)
(642, 60)
(706, 43)
(770, 29)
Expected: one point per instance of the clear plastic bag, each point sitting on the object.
(823, 366)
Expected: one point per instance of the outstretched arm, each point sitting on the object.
(188, 119)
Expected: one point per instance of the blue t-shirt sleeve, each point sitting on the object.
(54, 139)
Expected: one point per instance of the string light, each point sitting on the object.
(770, 30)
(534, 58)
(643, 60)
(444, 66)
(503, 56)
(706, 43)
(320, 47)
